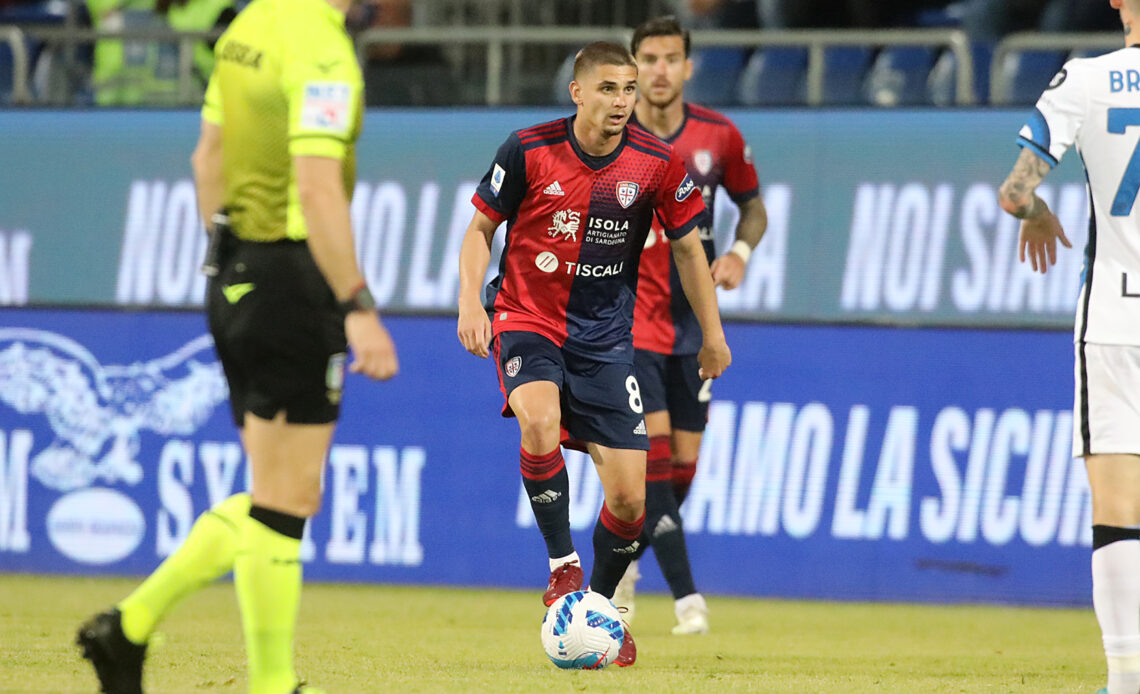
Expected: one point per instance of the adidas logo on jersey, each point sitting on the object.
(554, 189)
(547, 497)
(665, 525)
(629, 549)
(640, 428)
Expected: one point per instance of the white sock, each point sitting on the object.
(681, 605)
(1116, 601)
(571, 558)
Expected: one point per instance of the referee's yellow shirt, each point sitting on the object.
(285, 83)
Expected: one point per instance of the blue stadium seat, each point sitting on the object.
(943, 85)
(843, 71)
(774, 77)
(7, 70)
(1091, 52)
(563, 77)
(899, 76)
(715, 74)
(1025, 75)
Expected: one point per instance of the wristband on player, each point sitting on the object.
(742, 250)
(360, 300)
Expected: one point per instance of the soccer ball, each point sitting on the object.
(582, 631)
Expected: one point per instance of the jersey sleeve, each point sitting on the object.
(678, 205)
(501, 191)
(1056, 120)
(321, 82)
(212, 105)
(739, 172)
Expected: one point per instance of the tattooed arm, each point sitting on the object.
(1017, 195)
(1040, 228)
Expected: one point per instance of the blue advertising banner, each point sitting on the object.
(839, 462)
(876, 216)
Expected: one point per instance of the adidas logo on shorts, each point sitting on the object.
(640, 428)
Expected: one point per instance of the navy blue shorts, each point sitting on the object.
(673, 383)
(601, 401)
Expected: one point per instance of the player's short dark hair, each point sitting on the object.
(601, 53)
(661, 26)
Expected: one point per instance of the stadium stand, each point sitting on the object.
(745, 69)
(899, 76)
(774, 77)
(715, 74)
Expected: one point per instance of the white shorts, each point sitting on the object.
(1106, 406)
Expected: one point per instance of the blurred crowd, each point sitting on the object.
(983, 20)
(137, 72)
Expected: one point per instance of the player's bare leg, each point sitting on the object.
(1115, 484)
(286, 460)
(619, 527)
(538, 409)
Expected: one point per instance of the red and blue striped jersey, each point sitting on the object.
(576, 225)
(715, 154)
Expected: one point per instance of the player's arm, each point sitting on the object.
(320, 188)
(1040, 228)
(728, 269)
(497, 198)
(209, 179)
(474, 327)
(696, 280)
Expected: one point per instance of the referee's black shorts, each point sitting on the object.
(278, 332)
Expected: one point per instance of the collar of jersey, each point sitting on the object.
(595, 163)
(676, 133)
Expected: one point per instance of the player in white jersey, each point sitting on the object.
(1094, 103)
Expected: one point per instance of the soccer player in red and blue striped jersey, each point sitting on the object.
(666, 334)
(579, 195)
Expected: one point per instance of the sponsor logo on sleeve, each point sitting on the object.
(1058, 79)
(498, 175)
(326, 107)
(685, 189)
(627, 193)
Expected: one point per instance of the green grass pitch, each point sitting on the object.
(358, 638)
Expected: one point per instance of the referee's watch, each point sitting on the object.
(360, 300)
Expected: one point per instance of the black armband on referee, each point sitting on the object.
(360, 300)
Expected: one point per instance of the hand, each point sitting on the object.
(1039, 235)
(728, 271)
(714, 357)
(474, 329)
(373, 353)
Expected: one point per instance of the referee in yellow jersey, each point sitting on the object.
(274, 168)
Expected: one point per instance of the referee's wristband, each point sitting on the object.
(742, 250)
(360, 300)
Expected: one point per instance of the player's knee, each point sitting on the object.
(626, 504)
(540, 431)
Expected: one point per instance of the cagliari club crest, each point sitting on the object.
(626, 193)
(702, 160)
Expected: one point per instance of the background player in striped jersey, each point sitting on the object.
(578, 195)
(665, 331)
(1094, 103)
